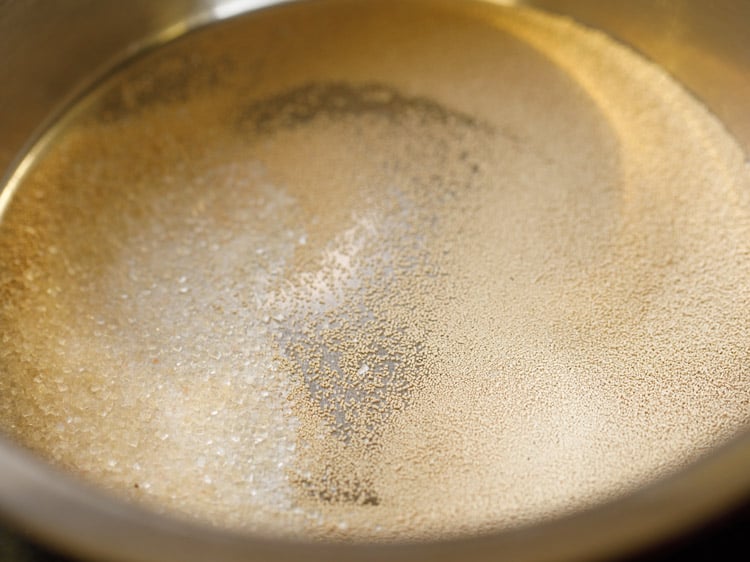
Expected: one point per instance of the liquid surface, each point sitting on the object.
(357, 270)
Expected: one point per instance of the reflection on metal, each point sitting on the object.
(232, 8)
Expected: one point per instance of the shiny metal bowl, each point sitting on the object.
(51, 52)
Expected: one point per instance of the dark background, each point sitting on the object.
(726, 539)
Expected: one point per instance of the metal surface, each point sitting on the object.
(51, 51)
(703, 44)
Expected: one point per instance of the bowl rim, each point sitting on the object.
(70, 514)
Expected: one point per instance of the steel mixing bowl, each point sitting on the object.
(51, 52)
